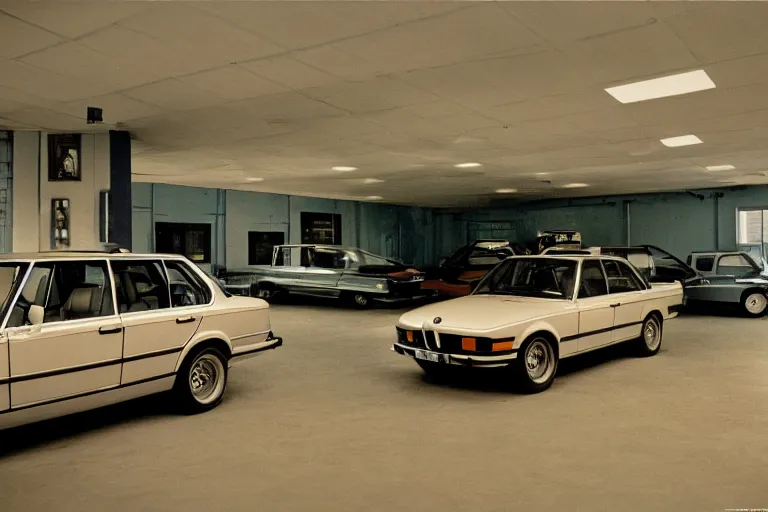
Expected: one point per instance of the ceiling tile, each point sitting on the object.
(380, 94)
(173, 95)
(19, 38)
(335, 62)
(45, 84)
(117, 108)
(290, 72)
(48, 120)
(72, 19)
(232, 82)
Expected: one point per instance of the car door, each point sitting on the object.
(323, 271)
(160, 310)
(77, 349)
(594, 304)
(627, 299)
(12, 274)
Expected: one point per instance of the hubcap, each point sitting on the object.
(539, 361)
(206, 378)
(756, 303)
(361, 300)
(265, 293)
(652, 334)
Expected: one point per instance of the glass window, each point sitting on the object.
(621, 279)
(327, 258)
(190, 240)
(593, 282)
(705, 263)
(321, 228)
(140, 285)
(484, 257)
(187, 288)
(733, 260)
(261, 245)
(66, 290)
(531, 277)
(377, 261)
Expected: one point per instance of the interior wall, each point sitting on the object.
(26, 207)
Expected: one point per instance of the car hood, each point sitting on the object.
(481, 312)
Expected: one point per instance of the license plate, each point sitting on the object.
(425, 355)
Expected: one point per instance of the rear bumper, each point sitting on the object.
(462, 360)
(249, 351)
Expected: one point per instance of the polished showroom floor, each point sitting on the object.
(335, 421)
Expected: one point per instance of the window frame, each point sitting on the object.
(584, 261)
(632, 276)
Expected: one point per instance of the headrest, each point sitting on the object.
(80, 300)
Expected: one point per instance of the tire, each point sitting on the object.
(536, 364)
(754, 303)
(267, 292)
(201, 380)
(649, 342)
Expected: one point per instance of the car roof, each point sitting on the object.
(79, 255)
(571, 257)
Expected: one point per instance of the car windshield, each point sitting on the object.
(372, 259)
(547, 278)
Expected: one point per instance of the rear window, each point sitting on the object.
(705, 263)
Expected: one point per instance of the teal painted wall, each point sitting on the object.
(677, 222)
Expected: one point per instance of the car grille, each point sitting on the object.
(449, 343)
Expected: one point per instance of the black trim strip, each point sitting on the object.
(407, 351)
(88, 393)
(260, 349)
(675, 309)
(92, 366)
(598, 331)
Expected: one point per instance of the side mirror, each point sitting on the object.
(36, 314)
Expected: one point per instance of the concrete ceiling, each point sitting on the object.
(218, 92)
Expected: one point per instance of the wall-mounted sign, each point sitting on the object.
(64, 157)
(59, 223)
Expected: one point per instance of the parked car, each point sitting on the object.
(351, 274)
(458, 273)
(733, 263)
(746, 290)
(562, 239)
(84, 330)
(531, 311)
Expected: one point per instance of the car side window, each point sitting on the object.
(705, 263)
(592, 280)
(733, 260)
(187, 289)
(621, 279)
(70, 290)
(328, 258)
(141, 285)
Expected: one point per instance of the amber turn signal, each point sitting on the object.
(409, 336)
(469, 344)
(502, 346)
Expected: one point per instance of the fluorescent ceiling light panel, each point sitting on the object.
(254, 179)
(727, 167)
(344, 168)
(683, 140)
(467, 165)
(369, 181)
(374, 198)
(575, 185)
(673, 85)
(506, 190)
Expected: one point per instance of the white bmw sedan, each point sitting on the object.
(531, 311)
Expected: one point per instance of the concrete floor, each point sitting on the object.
(335, 421)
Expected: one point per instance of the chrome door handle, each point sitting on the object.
(110, 330)
(185, 320)
(616, 305)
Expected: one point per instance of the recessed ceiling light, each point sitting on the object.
(344, 168)
(672, 85)
(506, 190)
(372, 180)
(575, 185)
(727, 167)
(254, 179)
(467, 165)
(542, 174)
(683, 140)
(373, 198)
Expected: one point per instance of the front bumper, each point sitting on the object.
(473, 361)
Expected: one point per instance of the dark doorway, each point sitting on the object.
(260, 245)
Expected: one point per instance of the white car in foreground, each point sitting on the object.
(84, 330)
(531, 311)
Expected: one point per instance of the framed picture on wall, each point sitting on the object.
(321, 228)
(260, 245)
(64, 157)
(60, 224)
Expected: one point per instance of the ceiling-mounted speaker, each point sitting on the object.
(94, 115)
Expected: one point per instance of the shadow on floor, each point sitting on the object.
(37, 435)
(339, 304)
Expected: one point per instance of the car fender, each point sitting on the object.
(201, 337)
(537, 326)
